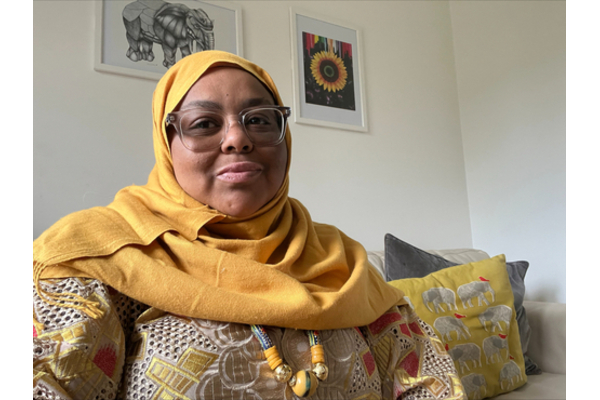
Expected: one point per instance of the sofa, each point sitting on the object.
(547, 341)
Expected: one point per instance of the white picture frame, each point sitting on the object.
(324, 101)
(112, 44)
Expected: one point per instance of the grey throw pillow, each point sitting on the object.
(403, 260)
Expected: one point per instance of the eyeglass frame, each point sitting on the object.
(174, 120)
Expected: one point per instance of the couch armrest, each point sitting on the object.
(547, 344)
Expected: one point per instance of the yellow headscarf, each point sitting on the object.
(158, 245)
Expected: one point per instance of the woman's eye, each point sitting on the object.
(258, 121)
(202, 127)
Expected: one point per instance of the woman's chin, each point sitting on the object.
(241, 207)
(239, 213)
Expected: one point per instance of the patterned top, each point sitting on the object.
(138, 352)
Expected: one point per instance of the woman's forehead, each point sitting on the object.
(220, 78)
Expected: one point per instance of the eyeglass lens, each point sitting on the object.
(203, 129)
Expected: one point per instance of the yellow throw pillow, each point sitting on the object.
(471, 309)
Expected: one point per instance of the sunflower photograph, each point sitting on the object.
(329, 87)
(328, 72)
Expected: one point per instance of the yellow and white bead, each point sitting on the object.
(304, 383)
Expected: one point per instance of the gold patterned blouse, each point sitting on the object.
(141, 353)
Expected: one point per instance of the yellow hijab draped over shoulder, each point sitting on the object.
(158, 245)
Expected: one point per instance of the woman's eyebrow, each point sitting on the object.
(211, 105)
(257, 101)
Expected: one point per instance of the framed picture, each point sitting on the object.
(329, 87)
(144, 38)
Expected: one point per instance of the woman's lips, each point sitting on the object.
(239, 172)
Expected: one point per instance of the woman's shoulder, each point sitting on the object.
(84, 233)
(80, 224)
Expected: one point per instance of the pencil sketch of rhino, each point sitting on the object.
(473, 383)
(173, 26)
(492, 347)
(510, 371)
(439, 296)
(466, 352)
(495, 315)
(477, 289)
(447, 325)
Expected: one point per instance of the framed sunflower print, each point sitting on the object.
(329, 88)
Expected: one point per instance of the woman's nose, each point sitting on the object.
(236, 139)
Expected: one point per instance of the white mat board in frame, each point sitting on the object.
(345, 41)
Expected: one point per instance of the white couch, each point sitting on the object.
(547, 344)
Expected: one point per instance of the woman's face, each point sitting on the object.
(236, 178)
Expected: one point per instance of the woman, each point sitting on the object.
(209, 282)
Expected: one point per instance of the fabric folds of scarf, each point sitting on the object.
(160, 246)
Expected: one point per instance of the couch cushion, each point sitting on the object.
(461, 256)
(471, 308)
(539, 387)
(548, 338)
(403, 260)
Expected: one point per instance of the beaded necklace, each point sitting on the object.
(304, 383)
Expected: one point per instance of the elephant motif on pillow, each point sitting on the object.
(446, 325)
(439, 296)
(476, 289)
(495, 315)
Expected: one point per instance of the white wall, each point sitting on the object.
(92, 131)
(510, 66)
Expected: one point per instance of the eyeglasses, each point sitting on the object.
(201, 130)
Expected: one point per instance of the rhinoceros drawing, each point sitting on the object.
(173, 26)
